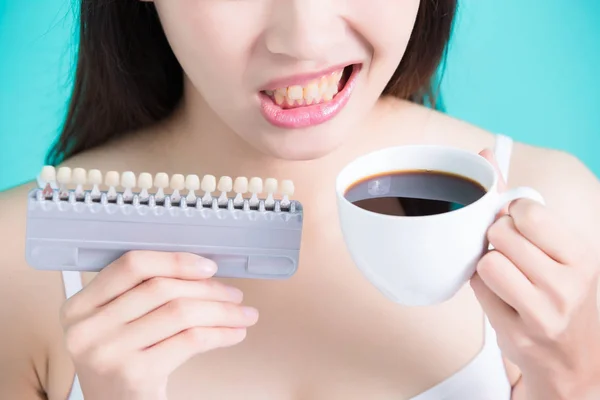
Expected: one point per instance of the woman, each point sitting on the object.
(180, 87)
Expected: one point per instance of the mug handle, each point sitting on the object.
(518, 193)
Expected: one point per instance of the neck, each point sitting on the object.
(196, 140)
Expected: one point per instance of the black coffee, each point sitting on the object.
(414, 193)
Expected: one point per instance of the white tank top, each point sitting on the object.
(484, 377)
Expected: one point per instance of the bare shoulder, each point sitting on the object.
(570, 189)
(31, 359)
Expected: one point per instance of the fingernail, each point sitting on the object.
(250, 312)
(207, 267)
(235, 293)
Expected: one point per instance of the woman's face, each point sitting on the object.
(291, 77)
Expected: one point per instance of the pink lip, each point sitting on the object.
(303, 117)
(303, 79)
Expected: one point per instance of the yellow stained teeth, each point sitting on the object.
(295, 92)
(317, 91)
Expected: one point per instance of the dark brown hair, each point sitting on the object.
(127, 77)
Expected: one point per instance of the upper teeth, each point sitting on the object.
(316, 91)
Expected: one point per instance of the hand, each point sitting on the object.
(145, 315)
(539, 289)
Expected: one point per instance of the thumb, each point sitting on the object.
(488, 154)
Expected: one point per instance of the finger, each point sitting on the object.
(504, 279)
(154, 293)
(542, 229)
(180, 315)
(530, 260)
(132, 269)
(497, 310)
(175, 351)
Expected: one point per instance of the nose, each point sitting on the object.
(305, 29)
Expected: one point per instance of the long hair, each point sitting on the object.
(128, 78)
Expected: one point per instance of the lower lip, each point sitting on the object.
(307, 116)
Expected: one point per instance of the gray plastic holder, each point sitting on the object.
(84, 235)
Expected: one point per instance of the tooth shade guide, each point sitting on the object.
(129, 189)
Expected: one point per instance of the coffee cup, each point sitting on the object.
(420, 260)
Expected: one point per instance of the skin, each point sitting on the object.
(314, 337)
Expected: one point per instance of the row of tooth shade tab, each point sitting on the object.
(65, 182)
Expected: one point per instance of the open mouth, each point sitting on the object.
(312, 102)
(317, 91)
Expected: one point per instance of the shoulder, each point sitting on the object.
(29, 307)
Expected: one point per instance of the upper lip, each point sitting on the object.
(302, 79)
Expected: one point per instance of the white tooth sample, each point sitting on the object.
(161, 182)
(145, 184)
(192, 184)
(255, 187)
(177, 185)
(94, 178)
(63, 176)
(287, 190)
(295, 92)
(208, 185)
(271, 189)
(224, 186)
(111, 179)
(79, 178)
(48, 175)
(128, 182)
(240, 187)
(47, 180)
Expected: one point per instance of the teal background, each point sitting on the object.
(527, 68)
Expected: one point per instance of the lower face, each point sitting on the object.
(292, 78)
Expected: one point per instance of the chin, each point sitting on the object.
(300, 145)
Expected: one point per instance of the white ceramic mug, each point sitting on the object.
(421, 260)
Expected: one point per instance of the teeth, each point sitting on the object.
(111, 179)
(271, 185)
(255, 186)
(79, 176)
(94, 177)
(128, 180)
(295, 92)
(225, 184)
(48, 174)
(161, 182)
(192, 182)
(177, 182)
(145, 181)
(317, 91)
(64, 175)
(209, 183)
(271, 189)
(240, 185)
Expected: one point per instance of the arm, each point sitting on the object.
(572, 192)
(29, 302)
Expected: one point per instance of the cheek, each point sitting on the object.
(386, 26)
(211, 43)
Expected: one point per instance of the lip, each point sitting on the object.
(304, 79)
(307, 116)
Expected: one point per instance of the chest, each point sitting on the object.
(327, 333)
